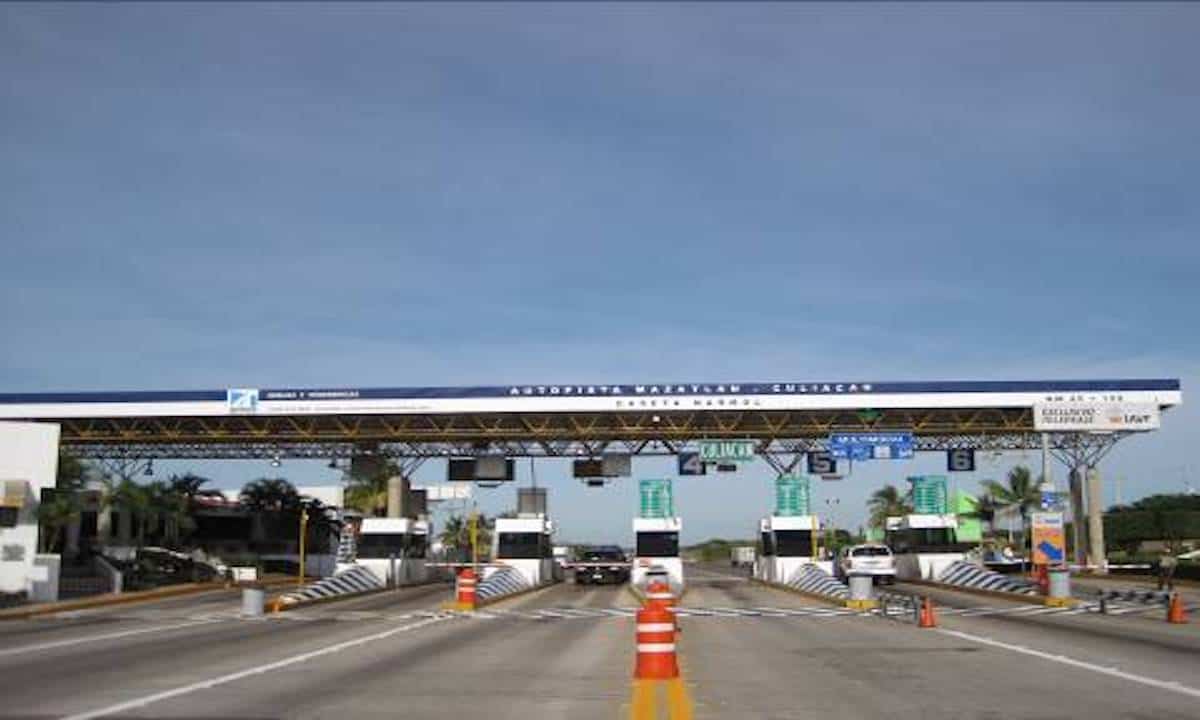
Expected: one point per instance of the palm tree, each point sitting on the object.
(323, 526)
(984, 510)
(887, 502)
(65, 504)
(367, 487)
(125, 495)
(191, 487)
(456, 535)
(169, 508)
(266, 494)
(73, 473)
(55, 514)
(1019, 493)
(188, 488)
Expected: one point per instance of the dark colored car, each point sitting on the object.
(603, 564)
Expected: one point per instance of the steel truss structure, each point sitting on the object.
(782, 435)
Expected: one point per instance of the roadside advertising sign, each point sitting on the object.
(1095, 416)
(1049, 538)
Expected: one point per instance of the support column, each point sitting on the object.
(71, 548)
(398, 505)
(1078, 517)
(1096, 553)
(1046, 460)
(124, 528)
(104, 528)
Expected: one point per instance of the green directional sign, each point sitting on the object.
(791, 495)
(655, 499)
(726, 451)
(929, 494)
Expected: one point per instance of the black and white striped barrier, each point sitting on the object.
(351, 581)
(969, 575)
(1143, 597)
(503, 581)
(815, 581)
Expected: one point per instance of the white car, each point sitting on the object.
(870, 559)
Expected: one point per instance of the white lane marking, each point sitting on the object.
(231, 677)
(97, 638)
(1169, 685)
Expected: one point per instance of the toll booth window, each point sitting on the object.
(793, 543)
(927, 540)
(768, 544)
(658, 544)
(520, 546)
(380, 545)
(416, 546)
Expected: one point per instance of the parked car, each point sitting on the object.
(603, 564)
(868, 559)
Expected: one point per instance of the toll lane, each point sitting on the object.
(512, 665)
(746, 650)
(1143, 644)
(869, 667)
(62, 672)
(114, 618)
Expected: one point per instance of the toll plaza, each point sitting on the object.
(206, 655)
(820, 427)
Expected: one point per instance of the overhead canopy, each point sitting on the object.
(560, 419)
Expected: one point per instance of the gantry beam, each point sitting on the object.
(786, 434)
(548, 428)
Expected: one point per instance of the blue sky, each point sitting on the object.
(215, 195)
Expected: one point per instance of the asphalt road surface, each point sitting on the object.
(567, 652)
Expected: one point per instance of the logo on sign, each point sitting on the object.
(242, 400)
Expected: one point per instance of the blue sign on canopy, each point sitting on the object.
(871, 446)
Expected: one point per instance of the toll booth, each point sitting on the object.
(394, 549)
(764, 565)
(656, 545)
(524, 544)
(795, 540)
(924, 545)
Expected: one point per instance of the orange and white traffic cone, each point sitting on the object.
(465, 589)
(1175, 612)
(656, 659)
(927, 619)
(659, 594)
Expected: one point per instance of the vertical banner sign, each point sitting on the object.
(791, 495)
(929, 494)
(1049, 538)
(655, 499)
